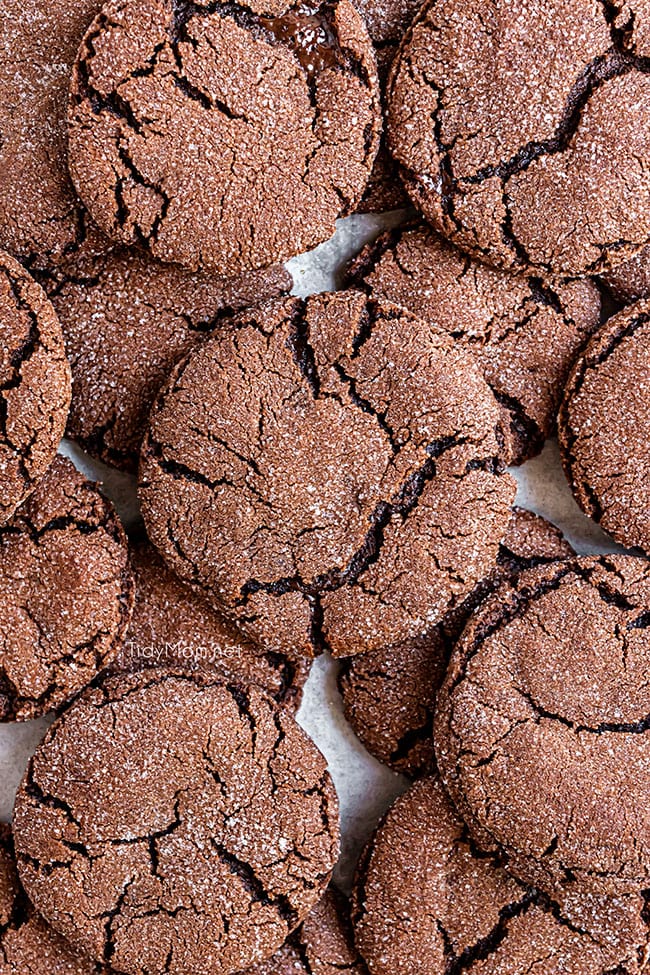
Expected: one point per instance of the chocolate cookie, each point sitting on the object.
(177, 825)
(223, 135)
(173, 626)
(427, 901)
(525, 332)
(389, 695)
(522, 129)
(328, 473)
(630, 281)
(34, 385)
(542, 732)
(66, 593)
(127, 321)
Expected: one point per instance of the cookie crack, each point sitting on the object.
(254, 886)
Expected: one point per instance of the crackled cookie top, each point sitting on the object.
(389, 694)
(223, 135)
(630, 281)
(34, 385)
(542, 729)
(174, 824)
(127, 320)
(604, 427)
(318, 472)
(428, 901)
(522, 129)
(66, 593)
(525, 331)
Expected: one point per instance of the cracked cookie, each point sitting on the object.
(66, 593)
(630, 281)
(427, 901)
(526, 332)
(604, 427)
(173, 625)
(221, 134)
(34, 385)
(389, 695)
(542, 731)
(127, 320)
(216, 832)
(527, 161)
(328, 473)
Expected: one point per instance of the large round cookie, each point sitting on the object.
(328, 473)
(525, 332)
(427, 901)
(389, 695)
(66, 593)
(34, 385)
(177, 825)
(225, 136)
(604, 427)
(127, 320)
(542, 733)
(522, 129)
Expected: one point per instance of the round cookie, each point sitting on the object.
(127, 321)
(66, 593)
(173, 625)
(527, 159)
(228, 136)
(541, 730)
(215, 835)
(604, 427)
(525, 332)
(630, 281)
(34, 385)
(389, 695)
(427, 901)
(318, 474)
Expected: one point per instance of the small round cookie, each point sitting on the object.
(34, 385)
(541, 730)
(389, 695)
(525, 332)
(604, 427)
(127, 320)
(223, 136)
(630, 281)
(319, 474)
(522, 129)
(66, 593)
(174, 626)
(174, 823)
(427, 901)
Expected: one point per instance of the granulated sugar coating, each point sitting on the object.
(328, 473)
(630, 281)
(427, 901)
(225, 135)
(542, 732)
(523, 129)
(605, 427)
(176, 824)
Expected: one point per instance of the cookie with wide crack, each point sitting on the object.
(319, 474)
(527, 159)
(389, 695)
(175, 823)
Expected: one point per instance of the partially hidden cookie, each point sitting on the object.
(526, 332)
(541, 731)
(604, 427)
(328, 473)
(174, 626)
(226, 136)
(34, 385)
(389, 695)
(522, 130)
(127, 320)
(177, 824)
(630, 281)
(428, 901)
(66, 593)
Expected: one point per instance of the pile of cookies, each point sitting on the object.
(325, 475)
